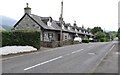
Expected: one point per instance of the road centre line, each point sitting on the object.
(77, 51)
(51, 60)
(43, 63)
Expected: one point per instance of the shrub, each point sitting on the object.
(91, 41)
(85, 41)
(21, 38)
(104, 40)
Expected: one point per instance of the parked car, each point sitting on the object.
(91, 40)
(78, 39)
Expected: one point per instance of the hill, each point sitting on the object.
(7, 22)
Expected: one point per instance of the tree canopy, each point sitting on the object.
(96, 29)
(118, 33)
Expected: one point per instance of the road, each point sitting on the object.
(79, 58)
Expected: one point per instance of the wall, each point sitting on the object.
(27, 24)
(47, 33)
(65, 36)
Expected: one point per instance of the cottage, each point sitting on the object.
(50, 29)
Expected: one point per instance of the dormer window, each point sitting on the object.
(63, 26)
(66, 27)
(79, 30)
(76, 30)
(49, 22)
(69, 28)
(82, 31)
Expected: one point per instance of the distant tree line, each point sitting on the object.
(118, 34)
(101, 35)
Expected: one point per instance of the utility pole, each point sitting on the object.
(61, 23)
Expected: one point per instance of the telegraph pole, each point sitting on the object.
(61, 23)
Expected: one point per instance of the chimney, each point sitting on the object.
(75, 23)
(61, 15)
(82, 26)
(27, 9)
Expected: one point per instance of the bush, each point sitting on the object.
(91, 41)
(104, 40)
(21, 38)
(85, 41)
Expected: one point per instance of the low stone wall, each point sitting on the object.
(68, 42)
(76, 42)
(53, 44)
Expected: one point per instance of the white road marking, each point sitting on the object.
(43, 63)
(77, 51)
(51, 60)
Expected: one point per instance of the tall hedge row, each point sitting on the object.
(21, 38)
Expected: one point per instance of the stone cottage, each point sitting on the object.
(50, 29)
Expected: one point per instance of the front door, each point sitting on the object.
(58, 37)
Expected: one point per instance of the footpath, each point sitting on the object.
(22, 54)
(110, 62)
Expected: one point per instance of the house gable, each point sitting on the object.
(27, 23)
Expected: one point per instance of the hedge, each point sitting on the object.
(21, 38)
(104, 40)
(85, 41)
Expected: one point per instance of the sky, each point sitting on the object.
(90, 13)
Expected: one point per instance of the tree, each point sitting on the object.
(100, 35)
(118, 33)
(96, 29)
(112, 34)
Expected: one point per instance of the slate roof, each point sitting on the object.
(55, 25)
(43, 20)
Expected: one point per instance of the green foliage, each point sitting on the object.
(96, 29)
(111, 35)
(85, 41)
(100, 35)
(118, 33)
(21, 37)
(104, 40)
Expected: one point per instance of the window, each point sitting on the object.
(68, 28)
(79, 30)
(45, 36)
(76, 30)
(50, 36)
(65, 37)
